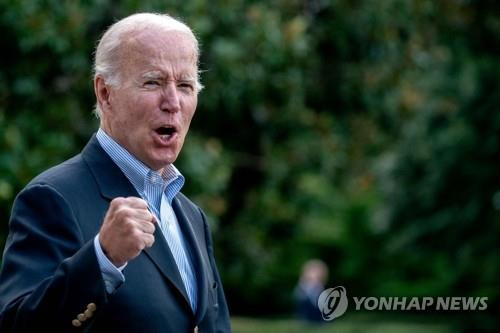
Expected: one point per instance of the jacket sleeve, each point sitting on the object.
(49, 273)
(222, 324)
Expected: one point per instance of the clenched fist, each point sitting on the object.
(127, 229)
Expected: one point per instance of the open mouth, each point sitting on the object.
(166, 134)
(166, 130)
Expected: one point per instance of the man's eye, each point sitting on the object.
(152, 83)
(186, 86)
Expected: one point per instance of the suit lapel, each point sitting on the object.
(161, 255)
(186, 224)
(113, 183)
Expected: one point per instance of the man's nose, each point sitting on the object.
(170, 98)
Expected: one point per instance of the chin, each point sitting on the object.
(159, 158)
(163, 162)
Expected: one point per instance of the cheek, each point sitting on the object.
(190, 110)
(138, 111)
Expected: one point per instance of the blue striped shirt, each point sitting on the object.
(158, 190)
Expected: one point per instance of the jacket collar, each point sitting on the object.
(111, 180)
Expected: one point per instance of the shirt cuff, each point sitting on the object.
(112, 275)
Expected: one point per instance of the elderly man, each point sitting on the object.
(105, 242)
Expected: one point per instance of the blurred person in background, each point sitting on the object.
(105, 242)
(311, 283)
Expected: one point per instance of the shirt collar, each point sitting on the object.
(137, 172)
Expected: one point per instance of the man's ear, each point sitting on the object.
(102, 93)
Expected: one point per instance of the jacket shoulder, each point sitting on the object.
(60, 173)
(66, 178)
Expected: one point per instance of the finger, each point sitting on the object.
(136, 202)
(147, 227)
(141, 215)
(148, 240)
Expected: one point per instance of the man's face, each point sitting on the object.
(150, 112)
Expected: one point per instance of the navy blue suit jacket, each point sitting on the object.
(50, 271)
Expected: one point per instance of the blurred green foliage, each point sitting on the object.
(351, 324)
(364, 133)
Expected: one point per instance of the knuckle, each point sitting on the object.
(124, 212)
(136, 246)
(117, 201)
(141, 245)
(130, 200)
(142, 202)
(136, 233)
(135, 200)
(149, 240)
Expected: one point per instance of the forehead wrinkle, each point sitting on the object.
(168, 40)
(171, 47)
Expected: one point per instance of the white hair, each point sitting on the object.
(107, 53)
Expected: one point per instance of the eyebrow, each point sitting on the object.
(187, 79)
(159, 75)
(152, 75)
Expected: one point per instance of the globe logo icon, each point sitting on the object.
(332, 303)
